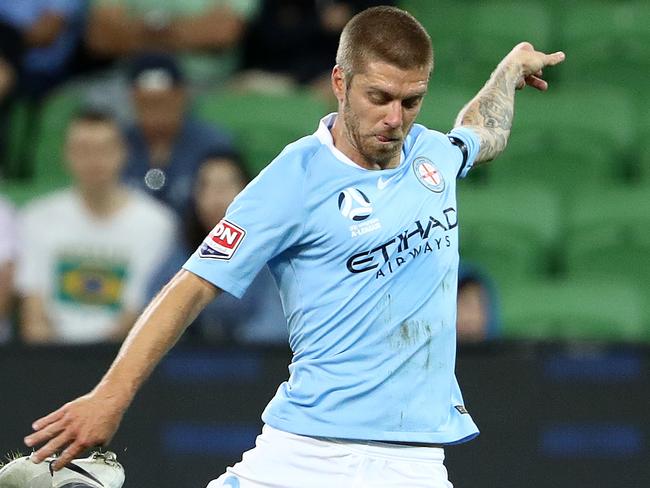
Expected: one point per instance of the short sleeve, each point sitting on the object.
(468, 144)
(263, 221)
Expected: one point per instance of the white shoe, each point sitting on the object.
(23, 473)
(99, 470)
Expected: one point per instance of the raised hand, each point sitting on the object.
(529, 64)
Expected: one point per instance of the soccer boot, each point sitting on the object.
(99, 470)
(21, 472)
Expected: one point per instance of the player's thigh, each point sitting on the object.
(281, 460)
(400, 473)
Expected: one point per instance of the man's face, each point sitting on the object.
(378, 108)
(95, 154)
(159, 111)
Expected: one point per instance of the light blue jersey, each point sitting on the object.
(367, 266)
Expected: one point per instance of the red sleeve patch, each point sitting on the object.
(222, 242)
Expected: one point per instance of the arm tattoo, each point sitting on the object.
(490, 113)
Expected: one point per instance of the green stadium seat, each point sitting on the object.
(262, 124)
(22, 192)
(442, 104)
(568, 137)
(608, 237)
(16, 141)
(469, 40)
(49, 163)
(594, 111)
(641, 161)
(573, 310)
(510, 231)
(606, 41)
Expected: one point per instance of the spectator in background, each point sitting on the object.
(166, 144)
(294, 42)
(50, 33)
(204, 33)
(88, 252)
(8, 246)
(10, 54)
(477, 319)
(40, 39)
(256, 318)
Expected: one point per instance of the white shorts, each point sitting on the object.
(283, 460)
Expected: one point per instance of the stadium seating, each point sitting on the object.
(641, 167)
(606, 42)
(262, 124)
(442, 104)
(608, 237)
(469, 40)
(511, 231)
(573, 310)
(55, 115)
(568, 137)
(44, 168)
(16, 141)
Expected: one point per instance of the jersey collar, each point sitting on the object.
(324, 135)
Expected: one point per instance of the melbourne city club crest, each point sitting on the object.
(428, 174)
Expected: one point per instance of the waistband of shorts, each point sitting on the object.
(371, 448)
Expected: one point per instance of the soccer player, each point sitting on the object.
(358, 224)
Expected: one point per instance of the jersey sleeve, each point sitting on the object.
(468, 144)
(264, 220)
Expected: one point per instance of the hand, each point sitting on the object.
(86, 422)
(528, 65)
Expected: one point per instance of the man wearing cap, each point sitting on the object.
(166, 144)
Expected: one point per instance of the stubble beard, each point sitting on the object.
(379, 156)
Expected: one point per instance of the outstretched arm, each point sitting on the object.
(490, 112)
(92, 419)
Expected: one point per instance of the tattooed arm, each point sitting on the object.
(490, 112)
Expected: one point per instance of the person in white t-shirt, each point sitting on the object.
(88, 252)
(8, 245)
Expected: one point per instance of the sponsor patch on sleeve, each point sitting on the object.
(222, 242)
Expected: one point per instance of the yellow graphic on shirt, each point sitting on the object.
(91, 282)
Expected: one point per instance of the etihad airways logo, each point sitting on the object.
(417, 240)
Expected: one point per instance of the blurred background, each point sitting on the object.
(127, 127)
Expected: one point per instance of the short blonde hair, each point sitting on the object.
(384, 34)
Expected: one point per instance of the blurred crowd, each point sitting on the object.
(149, 179)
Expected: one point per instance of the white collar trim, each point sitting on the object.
(324, 135)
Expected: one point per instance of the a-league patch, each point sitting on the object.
(222, 242)
(428, 174)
